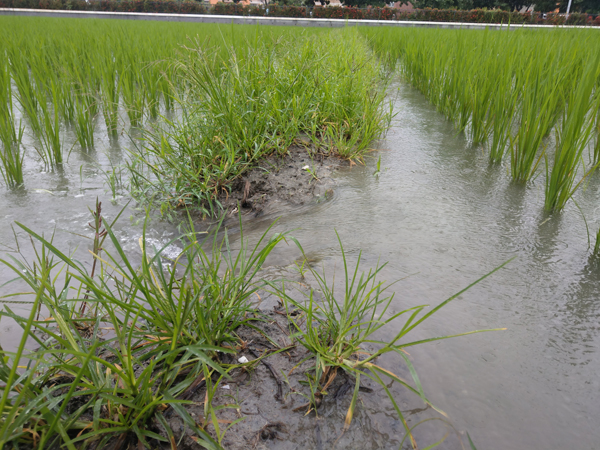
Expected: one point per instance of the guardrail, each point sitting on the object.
(477, 16)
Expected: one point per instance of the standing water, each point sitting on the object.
(441, 218)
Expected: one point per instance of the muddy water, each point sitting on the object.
(441, 218)
(56, 203)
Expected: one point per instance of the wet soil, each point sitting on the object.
(296, 179)
(269, 398)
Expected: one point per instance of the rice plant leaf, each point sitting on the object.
(350, 412)
(462, 291)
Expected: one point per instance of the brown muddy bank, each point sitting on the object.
(269, 395)
(293, 180)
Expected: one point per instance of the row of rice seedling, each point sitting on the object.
(510, 90)
(64, 83)
(237, 94)
(61, 83)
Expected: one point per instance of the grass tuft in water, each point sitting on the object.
(339, 333)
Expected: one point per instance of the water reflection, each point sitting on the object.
(579, 315)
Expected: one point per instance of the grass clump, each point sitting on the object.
(122, 343)
(245, 102)
(340, 331)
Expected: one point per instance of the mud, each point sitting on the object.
(269, 396)
(296, 179)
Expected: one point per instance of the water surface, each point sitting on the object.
(441, 217)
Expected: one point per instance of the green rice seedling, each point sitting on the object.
(492, 90)
(151, 77)
(461, 109)
(27, 91)
(52, 151)
(502, 110)
(596, 155)
(7, 129)
(166, 86)
(573, 137)
(597, 244)
(377, 168)
(11, 157)
(480, 126)
(68, 102)
(540, 109)
(69, 77)
(84, 120)
(336, 331)
(133, 96)
(109, 96)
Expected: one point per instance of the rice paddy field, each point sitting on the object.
(468, 149)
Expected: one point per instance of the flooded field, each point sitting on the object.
(441, 217)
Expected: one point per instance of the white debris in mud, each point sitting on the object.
(243, 360)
